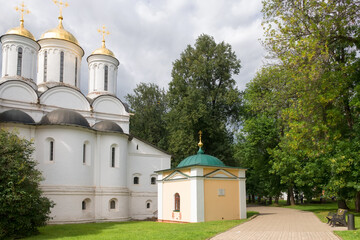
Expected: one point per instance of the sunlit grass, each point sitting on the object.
(137, 230)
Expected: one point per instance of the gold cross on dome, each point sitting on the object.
(103, 32)
(61, 6)
(21, 8)
(200, 144)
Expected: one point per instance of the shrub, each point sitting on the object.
(22, 207)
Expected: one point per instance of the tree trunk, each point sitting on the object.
(357, 202)
(270, 200)
(291, 193)
(288, 198)
(249, 201)
(277, 200)
(253, 198)
(342, 204)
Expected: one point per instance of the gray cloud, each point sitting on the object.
(147, 36)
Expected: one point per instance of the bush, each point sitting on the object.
(22, 208)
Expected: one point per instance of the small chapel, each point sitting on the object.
(93, 169)
(200, 189)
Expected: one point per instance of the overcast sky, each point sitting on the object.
(147, 36)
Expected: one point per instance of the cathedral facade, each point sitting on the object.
(93, 169)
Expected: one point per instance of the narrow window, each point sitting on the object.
(112, 204)
(61, 66)
(83, 205)
(153, 180)
(51, 151)
(148, 205)
(76, 63)
(45, 66)
(177, 202)
(137, 147)
(106, 78)
(113, 157)
(136, 180)
(84, 153)
(19, 61)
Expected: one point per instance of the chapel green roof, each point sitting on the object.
(201, 159)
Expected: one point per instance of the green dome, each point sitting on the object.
(201, 159)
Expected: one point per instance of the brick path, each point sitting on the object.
(275, 223)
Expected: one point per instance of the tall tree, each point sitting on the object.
(202, 96)
(150, 106)
(22, 208)
(317, 42)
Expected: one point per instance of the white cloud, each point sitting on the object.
(147, 36)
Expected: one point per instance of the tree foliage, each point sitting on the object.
(22, 208)
(202, 96)
(150, 106)
(315, 45)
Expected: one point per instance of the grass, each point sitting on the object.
(137, 230)
(322, 210)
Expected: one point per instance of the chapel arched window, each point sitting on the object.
(19, 61)
(177, 202)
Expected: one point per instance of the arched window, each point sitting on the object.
(61, 66)
(45, 66)
(85, 204)
(153, 180)
(106, 75)
(84, 153)
(112, 156)
(19, 61)
(148, 205)
(177, 202)
(76, 63)
(51, 157)
(136, 180)
(112, 204)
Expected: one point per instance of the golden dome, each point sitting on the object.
(59, 33)
(103, 51)
(21, 30)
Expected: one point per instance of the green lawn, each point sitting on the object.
(137, 230)
(321, 210)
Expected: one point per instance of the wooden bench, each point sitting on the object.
(338, 217)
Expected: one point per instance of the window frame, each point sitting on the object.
(19, 61)
(106, 78)
(176, 202)
(136, 180)
(62, 56)
(45, 65)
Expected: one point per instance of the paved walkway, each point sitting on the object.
(281, 224)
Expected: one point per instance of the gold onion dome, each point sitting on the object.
(21, 30)
(103, 50)
(59, 33)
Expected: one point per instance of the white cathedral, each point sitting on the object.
(93, 169)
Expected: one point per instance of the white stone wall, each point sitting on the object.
(97, 65)
(10, 46)
(54, 47)
(150, 159)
